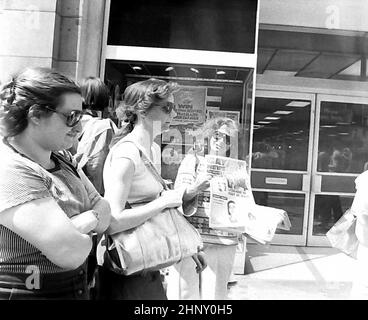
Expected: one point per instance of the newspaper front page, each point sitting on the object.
(232, 207)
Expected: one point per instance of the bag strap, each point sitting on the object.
(149, 165)
(153, 170)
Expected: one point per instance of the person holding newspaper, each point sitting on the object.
(219, 246)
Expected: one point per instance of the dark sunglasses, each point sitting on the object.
(168, 107)
(72, 117)
(218, 135)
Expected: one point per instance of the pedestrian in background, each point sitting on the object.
(97, 133)
(92, 147)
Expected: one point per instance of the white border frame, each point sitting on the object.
(182, 56)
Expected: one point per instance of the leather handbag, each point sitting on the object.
(159, 242)
(342, 234)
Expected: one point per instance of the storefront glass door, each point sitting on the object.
(281, 158)
(341, 154)
(307, 151)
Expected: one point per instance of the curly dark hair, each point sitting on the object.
(33, 87)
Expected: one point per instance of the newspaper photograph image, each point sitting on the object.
(232, 206)
(230, 192)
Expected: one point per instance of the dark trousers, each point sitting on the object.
(113, 286)
(69, 285)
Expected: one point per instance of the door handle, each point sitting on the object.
(306, 182)
(317, 182)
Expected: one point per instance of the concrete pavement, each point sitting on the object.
(293, 273)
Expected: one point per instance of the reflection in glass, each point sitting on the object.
(204, 93)
(327, 210)
(281, 134)
(292, 203)
(343, 137)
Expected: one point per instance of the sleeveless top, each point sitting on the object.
(144, 186)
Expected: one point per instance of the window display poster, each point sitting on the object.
(233, 115)
(211, 109)
(190, 102)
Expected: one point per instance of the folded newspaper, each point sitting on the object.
(232, 206)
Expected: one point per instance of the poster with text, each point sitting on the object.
(190, 105)
(233, 115)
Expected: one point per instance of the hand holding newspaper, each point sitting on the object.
(232, 206)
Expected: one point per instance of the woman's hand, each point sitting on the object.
(171, 199)
(200, 184)
(85, 222)
(200, 261)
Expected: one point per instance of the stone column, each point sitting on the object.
(62, 34)
(78, 37)
(26, 34)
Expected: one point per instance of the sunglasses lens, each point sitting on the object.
(73, 118)
(168, 107)
(218, 136)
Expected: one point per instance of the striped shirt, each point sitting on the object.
(22, 180)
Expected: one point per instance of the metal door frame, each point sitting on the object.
(316, 177)
(287, 239)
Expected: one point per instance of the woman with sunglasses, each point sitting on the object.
(48, 209)
(147, 111)
(219, 246)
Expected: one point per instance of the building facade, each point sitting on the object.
(300, 94)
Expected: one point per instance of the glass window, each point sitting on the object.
(281, 134)
(292, 203)
(205, 92)
(343, 137)
(215, 25)
(327, 210)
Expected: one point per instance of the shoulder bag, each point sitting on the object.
(159, 242)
